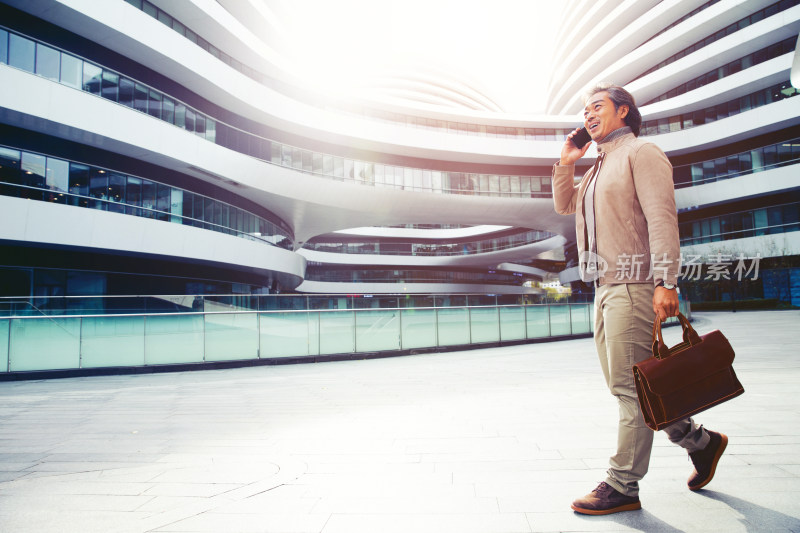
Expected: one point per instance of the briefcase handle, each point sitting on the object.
(660, 349)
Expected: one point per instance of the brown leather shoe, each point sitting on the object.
(605, 499)
(705, 461)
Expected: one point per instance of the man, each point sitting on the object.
(627, 233)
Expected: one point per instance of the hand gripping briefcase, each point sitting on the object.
(686, 379)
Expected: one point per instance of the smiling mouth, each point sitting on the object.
(594, 126)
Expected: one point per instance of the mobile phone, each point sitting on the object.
(581, 138)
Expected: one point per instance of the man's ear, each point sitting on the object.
(623, 111)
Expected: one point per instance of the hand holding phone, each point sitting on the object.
(575, 146)
(581, 138)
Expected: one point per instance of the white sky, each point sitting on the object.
(503, 46)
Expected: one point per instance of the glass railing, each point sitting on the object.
(208, 303)
(42, 343)
(431, 249)
(722, 168)
(35, 176)
(67, 69)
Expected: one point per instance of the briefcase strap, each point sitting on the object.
(660, 349)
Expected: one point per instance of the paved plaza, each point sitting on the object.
(482, 441)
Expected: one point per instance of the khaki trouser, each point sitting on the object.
(623, 329)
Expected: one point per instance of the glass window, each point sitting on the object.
(150, 9)
(316, 166)
(164, 18)
(116, 192)
(48, 62)
(791, 217)
(297, 158)
(3, 46)
(57, 179)
(188, 202)
(98, 188)
(21, 52)
(275, 153)
(33, 175)
(162, 201)
(211, 135)
(708, 170)
(176, 205)
(525, 185)
(286, 156)
(126, 92)
(208, 211)
(197, 209)
(71, 71)
(200, 125)
(217, 217)
(494, 185)
(189, 125)
(78, 184)
(784, 153)
(140, 97)
(757, 156)
(178, 27)
(92, 76)
(192, 36)
(222, 137)
(308, 161)
(770, 155)
(202, 43)
(775, 219)
(180, 115)
(9, 165)
(720, 166)
(133, 195)
(154, 104)
(745, 165)
(110, 86)
(417, 178)
(148, 198)
(682, 174)
(338, 167)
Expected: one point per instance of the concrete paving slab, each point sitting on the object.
(491, 440)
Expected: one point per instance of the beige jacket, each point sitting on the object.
(636, 219)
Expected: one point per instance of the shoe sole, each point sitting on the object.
(722, 446)
(621, 508)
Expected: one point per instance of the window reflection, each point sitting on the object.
(98, 188)
(78, 184)
(21, 52)
(48, 62)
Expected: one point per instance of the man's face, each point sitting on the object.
(600, 117)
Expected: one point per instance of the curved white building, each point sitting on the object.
(163, 147)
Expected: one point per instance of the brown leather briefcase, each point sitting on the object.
(690, 377)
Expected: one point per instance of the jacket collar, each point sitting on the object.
(615, 139)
